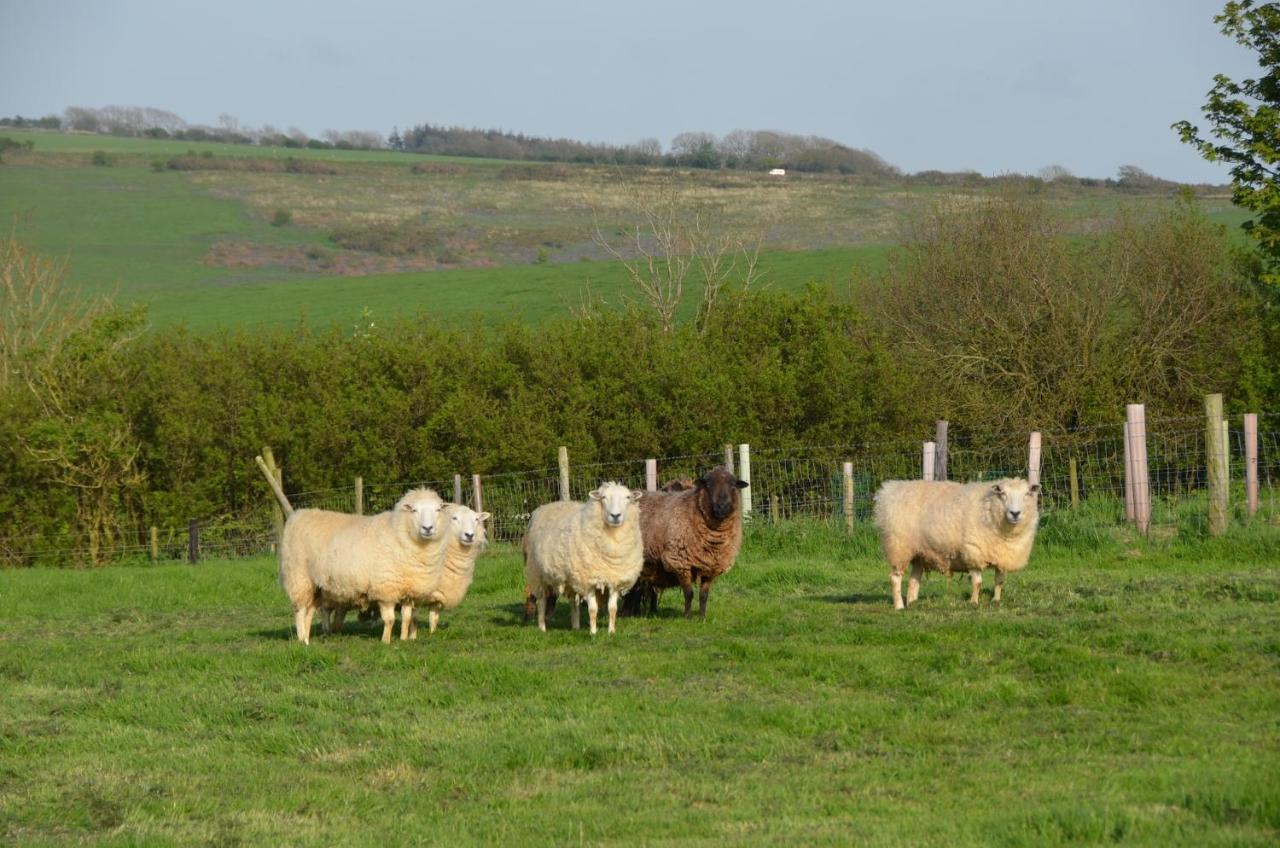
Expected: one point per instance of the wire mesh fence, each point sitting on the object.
(1081, 469)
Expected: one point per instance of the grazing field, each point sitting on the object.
(247, 236)
(1121, 693)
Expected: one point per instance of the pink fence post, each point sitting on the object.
(1033, 459)
(651, 475)
(1136, 416)
(927, 461)
(1128, 477)
(1251, 461)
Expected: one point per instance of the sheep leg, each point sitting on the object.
(335, 619)
(913, 585)
(653, 598)
(686, 584)
(552, 597)
(388, 620)
(408, 624)
(976, 577)
(999, 584)
(593, 607)
(433, 619)
(895, 580)
(302, 622)
(530, 606)
(613, 608)
(541, 602)
(703, 592)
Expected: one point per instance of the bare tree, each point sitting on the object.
(674, 237)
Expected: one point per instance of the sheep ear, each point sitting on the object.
(407, 507)
(482, 516)
(636, 494)
(596, 495)
(1034, 490)
(742, 484)
(998, 489)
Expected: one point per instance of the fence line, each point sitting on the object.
(803, 481)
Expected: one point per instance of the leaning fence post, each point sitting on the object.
(1216, 474)
(1033, 458)
(651, 475)
(847, 476)
(1251, 463)
(728, 458)
(476, 494)
(359, 496)
(940, 458)
(1128, 476)
(564, 475)
(457, 489)
(193, 541)
(277, 514)
(1136, 416)
(744, 474)
(1075, 483)
(927, 459)
(155, 543)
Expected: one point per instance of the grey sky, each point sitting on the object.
(987, 84)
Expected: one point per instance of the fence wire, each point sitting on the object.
(1083, 469)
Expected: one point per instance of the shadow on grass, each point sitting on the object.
(859, 598)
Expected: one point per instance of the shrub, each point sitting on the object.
(399, 238)
(100, 158)
(281, 218)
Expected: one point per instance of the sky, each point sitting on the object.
(985, 85)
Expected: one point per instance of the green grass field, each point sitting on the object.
(1128, 695)
(198, 247)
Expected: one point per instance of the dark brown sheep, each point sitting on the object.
(691, 535)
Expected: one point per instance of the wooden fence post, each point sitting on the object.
(1217, 477)
(193, 541)
(277, 514)
(651, 475)
(1128, 476)
(476, 493)
(1075, 484)
(927, 460)
(359, 496)
(457, 489)
(1136, 416)
(728, 458)
(847, 476)
(155, 543)
(773, 508)
(744, 474)
(1033, 458)
(940, 457)
(1251, 463)
(564, 475)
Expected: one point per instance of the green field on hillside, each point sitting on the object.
(389, 234)
(1127, 695)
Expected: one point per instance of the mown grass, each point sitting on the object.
(1110, 698)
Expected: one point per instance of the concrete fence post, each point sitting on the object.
(928, 458)
(847, 478)
(651, 475)
(744, 474)
(564, 475)
(1033, 458)
(1251, 463)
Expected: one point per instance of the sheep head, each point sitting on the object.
(425, 507)
(1018, 499)
(467, 524)
(719, 490)
(615, 499)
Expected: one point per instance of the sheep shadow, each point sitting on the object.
(858, 598)
(357, 629)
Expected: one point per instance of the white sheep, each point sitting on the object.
(944, 526)
(464, 540)
(582, 549)
(333, 560)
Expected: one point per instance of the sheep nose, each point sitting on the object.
(428, 529)
(468, 536)
(1013, 514)
(615, 517)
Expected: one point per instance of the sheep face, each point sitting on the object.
(614, 500)
(1019, 499)
(720, 488)
(468, 525)
(425, 506)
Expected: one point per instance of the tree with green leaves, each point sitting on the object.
(1244, 120)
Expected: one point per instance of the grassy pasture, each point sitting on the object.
(1129, 694)
(500, 239)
